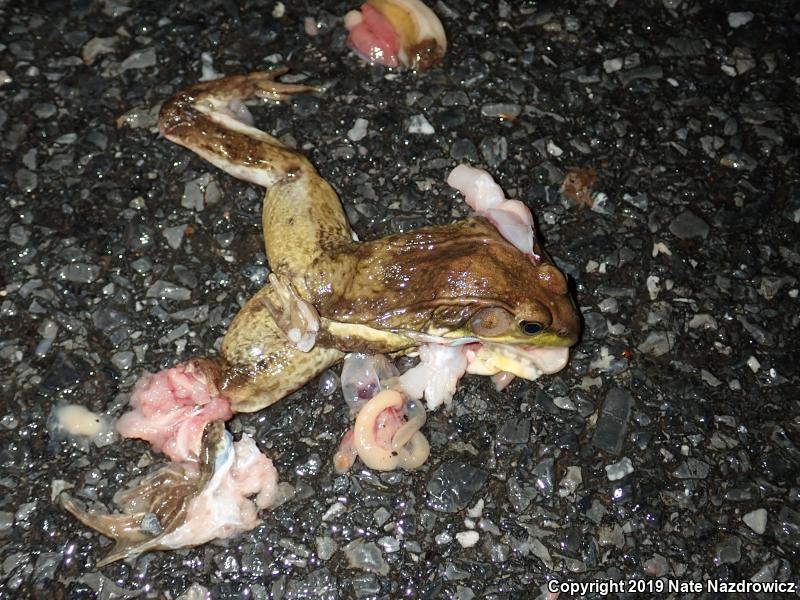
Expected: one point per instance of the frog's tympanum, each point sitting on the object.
(477, 296)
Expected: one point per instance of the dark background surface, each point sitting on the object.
(684, 383)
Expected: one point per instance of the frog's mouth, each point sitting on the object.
(489, 358)
(528, 362)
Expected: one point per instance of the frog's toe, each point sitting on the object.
(189, 503)
(297, 319)
(265, 85)
(111, 526)
(155, 507)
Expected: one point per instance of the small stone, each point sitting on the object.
(596, 326)
(688, 225)
(739, 19)
(611, 536)
(328, 383)
(609, 435)
(515, 431)
(141, 59)
(703, 321)
(366, 556)
(709, 378)
(195, 592)
(754, 364)
(79, 273)
(6, 521)
(139, 117)
(612, 65)
(739, 161)
(452, 486)
(545, 476)
(200, 191)
(24, 511)
(728, 551)
(389, 544)
(418, 124)
(571, 482)
(336, 509)
(167, 290)
(692, 468)
(494, 150)
(358, 131)
(27, 181)
(45, 110)
(174, 235)
(658, 343)
(609, 306)
(564, 403)
(476, 511)
(97, 46)
(756, 520)
(619, 469)
(501, 110)
(653, 286)
(467, 539)
(553, 149)
(18, 235)
(443, 538)
(464, 149)
(326, 547)
(122, 360)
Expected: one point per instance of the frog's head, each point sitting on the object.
(540, 313)
(459, 283)
(518, 308)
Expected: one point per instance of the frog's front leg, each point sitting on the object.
(262, 366)
(304, 223)
(296, 318)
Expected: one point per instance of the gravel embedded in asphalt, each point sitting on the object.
(667, 448)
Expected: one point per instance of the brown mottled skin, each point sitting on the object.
(371, 296)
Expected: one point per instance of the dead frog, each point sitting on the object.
(477, 296)
(329, 294)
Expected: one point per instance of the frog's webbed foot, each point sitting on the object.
(154, 508)
(225, 97)
(188, 503)
(297, 319)
(263, 85)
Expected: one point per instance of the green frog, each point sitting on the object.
(329, 294)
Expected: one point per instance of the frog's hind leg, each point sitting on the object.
(263, 366)
(210, 119)
(302, 215)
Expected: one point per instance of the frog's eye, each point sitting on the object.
(530, 327)
(490, 322)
